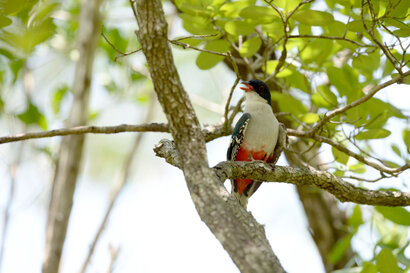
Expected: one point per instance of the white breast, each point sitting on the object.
(263, 127)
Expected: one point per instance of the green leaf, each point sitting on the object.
(340, 156)
(207, 60)
(339, 173)
(317, 51)
(271, 66)
(33, 116)
(357, 25)
(336, 28)
(386, 262)
(284, 72)
(259, 15)
(25, 38)
(58, 96)
(346, 82)
(406, 138)
(250, 47)
(304, 29)
(194, 8)
(197, 25)
(400, 8)
(340, 248)
(296, 79)
(395, 238)
(402, 32)
(369, 268)
(324, 97)
(274, 30)
(287, 5)
(397, 215)
(396, 149)
(373, 134)
(357, 168)
(288, 103)
(239, 28)
(117, 39)
(391, 164)
(4, 21)
(395, 23)
(314, 17)
(310, 118)
(14, 6)
(378, 113)
(367, 64)
(232, 9)
(41, 11)
(356, 219)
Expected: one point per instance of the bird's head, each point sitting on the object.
(258, 87)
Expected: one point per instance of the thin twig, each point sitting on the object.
(194, 37)
(385, 50)
(364, 179)
(114, 252)
(80, 130)
(330, 38)
(120, 53)
(365, 98)
(185, 46)
(118, 187)
(228, 101)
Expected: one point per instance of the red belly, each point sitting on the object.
(245, 155)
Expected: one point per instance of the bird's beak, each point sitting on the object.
(247, 87)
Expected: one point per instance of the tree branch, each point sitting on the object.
(80, 130)
(261, 171)
(330, 38)
(241, 236)
(365, 98)
(342, 190)
(70, 154)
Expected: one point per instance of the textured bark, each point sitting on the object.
(258, 170)
(242, 237)
(71, 148)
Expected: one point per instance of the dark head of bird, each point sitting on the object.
(259, 87)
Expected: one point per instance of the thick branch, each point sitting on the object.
(343, 190)
(262, 171)
(242, 237)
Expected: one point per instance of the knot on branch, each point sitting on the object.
(167, 150)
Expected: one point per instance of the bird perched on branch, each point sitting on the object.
(255, 136)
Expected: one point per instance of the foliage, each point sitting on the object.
(323, 58)
(316, 57)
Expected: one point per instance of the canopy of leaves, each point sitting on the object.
(316, 60)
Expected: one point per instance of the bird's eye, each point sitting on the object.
(260, 88)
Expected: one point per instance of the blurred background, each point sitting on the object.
(153, 226)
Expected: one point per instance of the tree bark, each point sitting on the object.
(242, 237)
(70, 154)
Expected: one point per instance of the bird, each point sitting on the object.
(254, 137)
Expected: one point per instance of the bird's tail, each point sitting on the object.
(243, 194)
